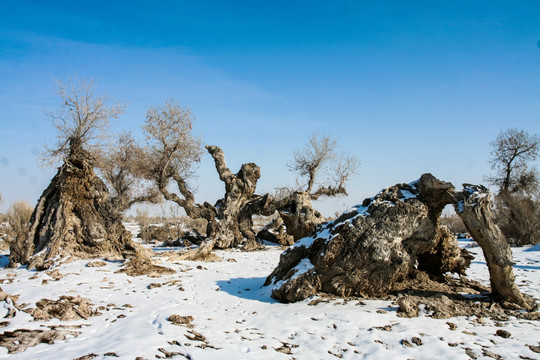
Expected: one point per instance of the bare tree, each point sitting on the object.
(320, 163)
(173, 152)
(124, 169)
(74, 217)
(518, 216)
(323, 172)
(81, 121)
(518, 206)
(510, 154)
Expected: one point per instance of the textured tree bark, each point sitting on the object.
(73, 218)
(234, 211)
(373, 249)
(230, 219)
(474, 207)
(389, 243)
(299, 216)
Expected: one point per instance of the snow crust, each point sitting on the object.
(240, 320)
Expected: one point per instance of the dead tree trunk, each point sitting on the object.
(386, 244)
(235, 210)
(230, 219)
(299, 216)
(474, 207)
(73, 218)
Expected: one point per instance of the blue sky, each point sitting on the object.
(408, 87)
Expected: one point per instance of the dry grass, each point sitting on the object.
(15, 222)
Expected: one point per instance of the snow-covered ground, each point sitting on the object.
(234, 317)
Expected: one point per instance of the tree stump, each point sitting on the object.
(73, 218)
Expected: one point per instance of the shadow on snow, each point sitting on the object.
(247, 288)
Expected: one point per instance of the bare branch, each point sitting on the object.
(224, 172)
(319, 158)
(124, 168)
(81, 121)
(172, 154)
(511, 151)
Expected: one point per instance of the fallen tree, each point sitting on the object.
(392, 240)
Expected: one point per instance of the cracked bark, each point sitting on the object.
(474, 207)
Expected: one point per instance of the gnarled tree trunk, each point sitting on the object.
(73, 218)
(386, 243)
(299, 216)
(474, 207)
(230, 219)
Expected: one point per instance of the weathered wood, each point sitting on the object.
(73, 218)
(389, 243)
(371, 250)
(474, 207)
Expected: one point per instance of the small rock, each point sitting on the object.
(55, 274)
(471, 353)
(451, 326)
(491, 355)
(406, 343)
(384, 328)
(154, 285)
(417, 341)
(503, 333)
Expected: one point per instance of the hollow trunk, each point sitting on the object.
(73, 218)
(474, 207)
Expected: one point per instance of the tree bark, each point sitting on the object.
(73, 218)
(235, 210)
(386, 244)
(474, 207)
(299, 216)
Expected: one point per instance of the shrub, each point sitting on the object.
(17, 220)
(454, 224)
(518, 216)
